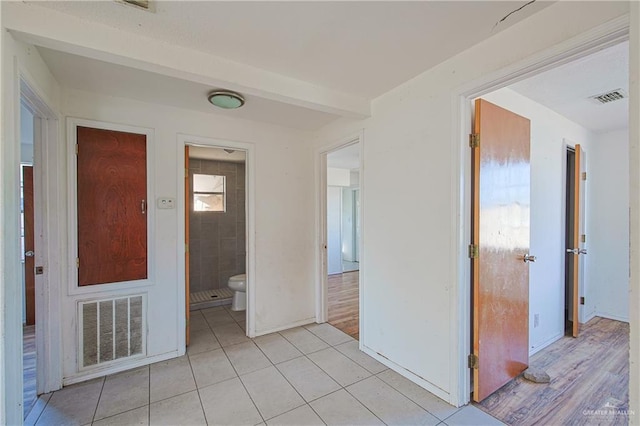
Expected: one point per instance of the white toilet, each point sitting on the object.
(238, 283)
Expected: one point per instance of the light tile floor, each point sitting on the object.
(304, 376)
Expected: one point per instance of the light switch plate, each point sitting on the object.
(166, 203)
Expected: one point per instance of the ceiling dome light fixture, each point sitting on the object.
(226, 99)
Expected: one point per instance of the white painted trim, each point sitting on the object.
(608, 316)
(420, 381)
(82, 377)
(590, 316)
(113, 288)
(546, 343)
(286, 327)
(50, 223)
(602, 36)
(321, 224)
(250, 212)
(11, 379)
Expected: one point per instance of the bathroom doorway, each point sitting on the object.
(215, 230)
(343, 238)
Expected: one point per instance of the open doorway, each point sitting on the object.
(40, 231)
(27, 237)
(343, 238)
(569, 311)
(215, 237)
(563, 106)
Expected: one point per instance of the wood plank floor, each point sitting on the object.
(29, 367)
(344, 307)
(589, 381)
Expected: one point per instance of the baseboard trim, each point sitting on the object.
(612, 317)
(88, 375)
(439, 392)
(306, 321)
(546, 343)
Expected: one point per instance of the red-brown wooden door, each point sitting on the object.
(29, 244)
(112, 203)
(500, 229)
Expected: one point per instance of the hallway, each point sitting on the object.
(306, 375)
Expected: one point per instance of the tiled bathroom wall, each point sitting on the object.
(217, 239)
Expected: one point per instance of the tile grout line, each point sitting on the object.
(149, 398)
(243, 385)
(195, 382)
(400, 393)
(411, 399)
(104, 379)
(41, 411)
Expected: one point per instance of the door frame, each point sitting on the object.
(591, 41)
(73, 288)
(322, 302)
(568, 144)
(49, 227)
(249, 149)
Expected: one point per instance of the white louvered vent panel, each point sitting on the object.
(605, 98)
(111, 329)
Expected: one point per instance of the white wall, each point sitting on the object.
(334, 230)
(26, 135)
(608, 224)
(338, 177)
(348, 224)
(548, 158)
(283, 280)
(634, 201)
(413, 252)
(30, 65)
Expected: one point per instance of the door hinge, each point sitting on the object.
(474, 140)
(77, 262)
(186, 248)
(474, 251)
(472, 361)
(186, 172)
(582, 300)
(584, 175)
(77, 149)
(583, 238)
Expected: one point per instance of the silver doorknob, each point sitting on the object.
(529, 258)
(29, 253)
(577, 251)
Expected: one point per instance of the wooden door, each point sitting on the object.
(112, 204)
(187, 214)
(578, 251)
(500, 231)
(29, 244)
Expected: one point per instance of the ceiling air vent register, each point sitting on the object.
(610, 96)
(142, 4)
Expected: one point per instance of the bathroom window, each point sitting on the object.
(208, 193)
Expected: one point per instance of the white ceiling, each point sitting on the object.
(83, 73)
(345, 158)
(360, 47)
(567, 88)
